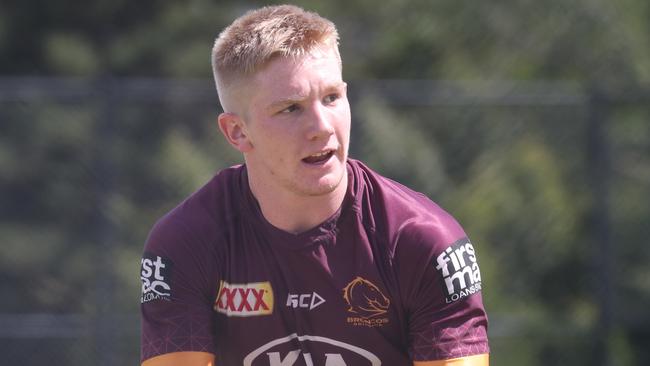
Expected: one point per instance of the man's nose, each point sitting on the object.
(320, 122)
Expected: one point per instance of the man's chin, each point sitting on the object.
(328, 184)
(320, 191)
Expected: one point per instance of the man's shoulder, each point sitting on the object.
(393, 197)
(208, 209)
(404, 214)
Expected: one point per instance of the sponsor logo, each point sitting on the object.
(289, 351)
(304, 301)
(366, 302)
(459, 270)
(249, 299)
(154, 273)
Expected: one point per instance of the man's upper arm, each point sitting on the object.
(178, 286)
(477, 360)
(442, 290)
(181, 358)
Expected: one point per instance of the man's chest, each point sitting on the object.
(323, 305)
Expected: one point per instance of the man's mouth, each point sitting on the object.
(319, 158)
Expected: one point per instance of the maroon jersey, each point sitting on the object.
(388, 279)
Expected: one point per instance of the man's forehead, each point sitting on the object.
(293, 64)
(288, 75)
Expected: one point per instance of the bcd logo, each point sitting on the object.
(304, 301)
(249, 299)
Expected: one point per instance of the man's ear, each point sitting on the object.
(234, 130)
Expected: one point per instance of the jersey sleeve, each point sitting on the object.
(441, 284)
(178, 286)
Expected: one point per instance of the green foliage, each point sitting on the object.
(411, 157)
(71, 54)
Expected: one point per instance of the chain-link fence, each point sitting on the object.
(551, 181)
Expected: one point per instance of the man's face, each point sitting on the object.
(298, 125)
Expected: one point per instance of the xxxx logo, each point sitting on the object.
(248, 299)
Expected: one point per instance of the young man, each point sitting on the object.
(303, 256)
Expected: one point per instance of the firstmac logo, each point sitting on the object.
(248, 299)
(459, 270)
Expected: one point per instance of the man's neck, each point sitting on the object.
(296, 213)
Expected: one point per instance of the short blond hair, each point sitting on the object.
(260, 35)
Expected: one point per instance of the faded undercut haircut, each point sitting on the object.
(260, 35)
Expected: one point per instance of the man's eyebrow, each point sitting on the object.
(337, 85)
(286, 101)
(298, 97)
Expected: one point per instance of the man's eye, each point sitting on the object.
(289, 109)
(331, 98)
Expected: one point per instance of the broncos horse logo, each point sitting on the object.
(365, 299)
